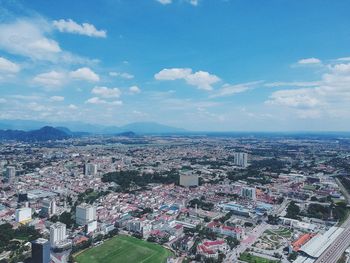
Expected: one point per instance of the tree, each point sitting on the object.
(293, 210)
(66, 218)
(232, 242)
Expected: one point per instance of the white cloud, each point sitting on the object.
(72, 107)
(344, 59)
(84, 73)
(57, 98)
(123, 75)
(306, 61)
(298, 98)
(71, 26)
(173, 74)
(165, 2)
(200, 79)
(105, 92)
(228, 89)
(50, 79)
(134, 89)
(97, 100)
(293, 84)
(7, 66)
(331, 95)
(28, 38)
(194, 2)
(2, 100)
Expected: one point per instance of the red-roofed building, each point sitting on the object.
(211, 249)
(235, 232)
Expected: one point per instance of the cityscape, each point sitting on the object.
(174, 131)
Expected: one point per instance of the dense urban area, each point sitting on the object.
(216, 198)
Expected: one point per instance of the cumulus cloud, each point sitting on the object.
(134, 90)
(105, 92)
(57, 98)
(32, 38)
(84, 73)
(28, 38)
(201, 79)
(7, 66)
(73, 27)
(331, 93)
(54, 79)
(50, 79)
(306, 61)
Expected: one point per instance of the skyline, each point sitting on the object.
(224, 66)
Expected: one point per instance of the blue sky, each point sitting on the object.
(224, 65)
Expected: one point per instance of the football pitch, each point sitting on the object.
(124, 249)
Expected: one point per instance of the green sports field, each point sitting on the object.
(124, 249)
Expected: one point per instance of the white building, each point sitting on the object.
(248, 192)
(189, 179)
(91, 226)
(57, 234)
(241, 159)
(84, 214)
(90, 169)
(23, 215)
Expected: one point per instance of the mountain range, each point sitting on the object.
(136, 127)
(44, 134)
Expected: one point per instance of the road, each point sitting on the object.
(247, 242)
(333, 253)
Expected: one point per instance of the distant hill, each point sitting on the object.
(151, 128)
(85, 128)
(46, 133)
(127, 134)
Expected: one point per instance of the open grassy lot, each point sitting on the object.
(247, 257)
(124, 249)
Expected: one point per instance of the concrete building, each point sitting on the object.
(23, 215)
(248, 192)
(48, 208)
(90, 169)
(91, 226)
(57, 234)
(10, 174)
(84, 214)
(189, 179)
(41, 251)
(135, 226)
(241, 159)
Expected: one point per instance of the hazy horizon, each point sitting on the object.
(200, 65)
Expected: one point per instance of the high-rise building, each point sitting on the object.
(90, 169)
(241, 159)
(84, 214)
(248, 192)
(57, 234)
(48, 208)
(23, 215)
(10, 174)
(188, 179)
(41, 251)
